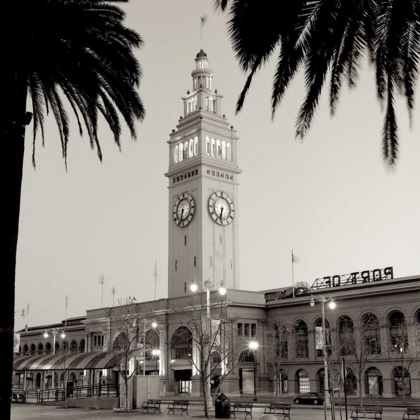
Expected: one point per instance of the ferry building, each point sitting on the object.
(203, 255)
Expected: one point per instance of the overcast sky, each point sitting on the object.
(330, 197)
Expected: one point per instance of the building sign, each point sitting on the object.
(356, 277)
(16, 343)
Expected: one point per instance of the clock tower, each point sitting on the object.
(203, 190)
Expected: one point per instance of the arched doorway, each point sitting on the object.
(402, 382)
(373, 381)
(181, 352)
(303, 384)
(246, 372)
(351, 382)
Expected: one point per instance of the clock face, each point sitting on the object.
(183, 210)
(221, 208)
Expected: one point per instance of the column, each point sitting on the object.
(163, 347)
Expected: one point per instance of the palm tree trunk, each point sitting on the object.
(12, 137)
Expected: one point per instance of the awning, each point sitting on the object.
(101, 360)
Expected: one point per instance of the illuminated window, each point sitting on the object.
(181, 153)
(213, 145)
(195, 146)
(195, 84)
(185, 150)
(176, 154)
(207, 103)
(223, 149)
(191, 148)
(208, 146)
(228, 152)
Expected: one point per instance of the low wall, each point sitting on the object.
(92, 402)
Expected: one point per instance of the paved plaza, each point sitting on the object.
(35, 412)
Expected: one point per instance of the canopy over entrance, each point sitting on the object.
(101, 360)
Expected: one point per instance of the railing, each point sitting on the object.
(61, 394)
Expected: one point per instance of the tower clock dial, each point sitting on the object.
(221, 208)
(183, 210)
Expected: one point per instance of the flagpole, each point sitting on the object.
(293, 278)
(155, 276)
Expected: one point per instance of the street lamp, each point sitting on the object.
(253, 345)
(54, 332)
(207, 286)
(322, 300)
(154, 325)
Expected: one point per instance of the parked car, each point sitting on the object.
(309, 398)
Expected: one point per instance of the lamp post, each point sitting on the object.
(54, 332)
(207, 286)
(154, 325)
(156, 353)
(253, 345)
(322, 300)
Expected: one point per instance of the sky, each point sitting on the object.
(330, 198)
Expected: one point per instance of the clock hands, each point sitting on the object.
(221, 212)
(182, 214)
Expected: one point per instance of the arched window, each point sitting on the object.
(301, 339)
(121, 342)
(371, 334)
(65, 346)
(186, 150)
(152, 339)
(319, 337)
(208, 146)
(196, 146)
(25, 349)
(33, 349)
(57, 347)
(176, 154)
(82, 346)
(247, 356)
(213, 146)
(346, 335)
(40, 348)
(398, 332)
(73, 346)
(48, 348)
(303, 382)
(195, 84)
(228, 152)
(223, 149)
(181, 153)
(219, 149)
(281, 335)
(181, 344)
(191, 148)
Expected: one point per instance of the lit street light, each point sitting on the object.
(207, 286)
(54, 332)
(331, 305)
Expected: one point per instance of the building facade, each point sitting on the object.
(373, 328)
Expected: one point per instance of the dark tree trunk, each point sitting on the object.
(12, 137)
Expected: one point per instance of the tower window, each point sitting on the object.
(176, 265)
(191, 149)
(207, 103)
(174, 180)
(223, 149)
(228, 152)
(185, 240)
(208, 146)
(195, 146)
(186, 150)
(195, 261)
(176, 154)
(219, 149)
(213, 145)
(196, 171)
(181, 153)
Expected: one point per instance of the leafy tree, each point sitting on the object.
(330, 37)
(62, 53)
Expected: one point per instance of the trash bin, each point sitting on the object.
(222, 407)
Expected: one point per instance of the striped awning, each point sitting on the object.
(101, 360)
